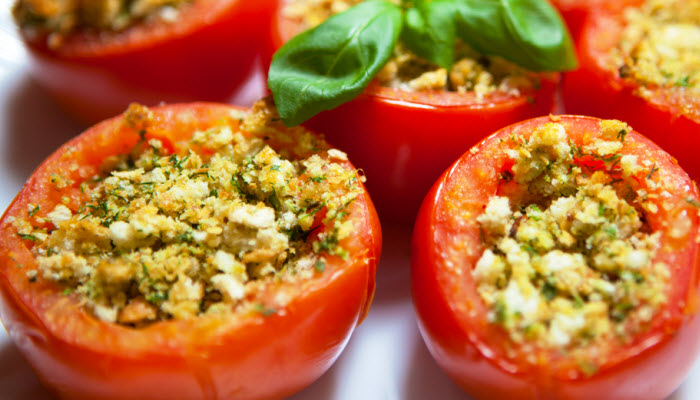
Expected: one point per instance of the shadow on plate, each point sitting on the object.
(425, 380)
(17, 380)
(35, 127)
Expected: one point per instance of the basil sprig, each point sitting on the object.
(334, 62)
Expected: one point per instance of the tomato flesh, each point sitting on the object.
(454, 320)
(247, 356)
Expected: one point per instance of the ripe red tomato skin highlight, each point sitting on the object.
(252, 356)
(458, 343)
(404, 140)
(575, 12)
(597, 89)
(207, 56)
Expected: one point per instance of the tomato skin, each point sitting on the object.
(393, 134)
(206, 56)
(597, 89)
(453, 321)
(575, 12)
(247, 356)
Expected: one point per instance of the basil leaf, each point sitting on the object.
(334, 62)
(529, 33)
(429, 31)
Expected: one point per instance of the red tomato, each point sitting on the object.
(404, 140)
(206, 55)
(453, 317)
(575, 12)
(242, 356)
(670, 119)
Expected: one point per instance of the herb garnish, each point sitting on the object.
(34, 211)
(334, 62)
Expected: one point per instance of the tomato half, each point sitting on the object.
(242, 356)
(596, 88)
(404, 140)
(207, 55)
(471, 348)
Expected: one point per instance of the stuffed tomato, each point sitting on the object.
(641, 65)
(95, 57)
(418, 113)
(193, 251)
(558, 259)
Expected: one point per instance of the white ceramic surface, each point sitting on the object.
(385, 359)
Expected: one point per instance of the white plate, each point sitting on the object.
(385, 359)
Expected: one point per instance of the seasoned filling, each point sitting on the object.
(569, 257)
(471, 72)
(61, 17)
(660, 46)
(202, 230)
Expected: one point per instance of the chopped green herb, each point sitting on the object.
(587, 367)
(185, 237)
(34, 211)
(317, 179)
(654, 168)
(274, 201)
(320, 265)
(117, 195)
(693, 202)
(265, 311)
(619, 313)
(683, 82)
(610, 157)
(500, 309)
(549, 291)
(622, 134)
(611, 231)
(528, 248)
(156, 297)
(194, 174)
(27, 236)
(179, 164)
(236, 184)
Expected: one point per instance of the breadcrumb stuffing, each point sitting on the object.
(569, 257)
(660, 47)
(171, 236)
(471, 72)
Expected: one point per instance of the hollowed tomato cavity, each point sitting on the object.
(204, 225)
(569, 261)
